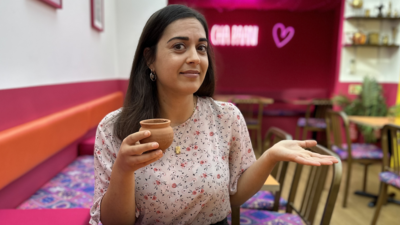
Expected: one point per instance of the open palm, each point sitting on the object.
(293, 150)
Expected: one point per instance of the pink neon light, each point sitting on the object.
(286, 34)
(237, 35)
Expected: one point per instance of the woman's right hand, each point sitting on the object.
(130, 156)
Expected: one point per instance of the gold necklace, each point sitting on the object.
(178, 148)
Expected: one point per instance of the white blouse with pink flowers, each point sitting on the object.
(192, 187)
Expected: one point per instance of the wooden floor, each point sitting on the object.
(357, 211)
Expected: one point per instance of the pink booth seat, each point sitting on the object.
(86, 147)
(78, 216)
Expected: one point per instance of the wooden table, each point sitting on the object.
(270, 184)
(229, 98)
(375, 122)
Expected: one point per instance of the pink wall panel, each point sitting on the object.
(22, 105)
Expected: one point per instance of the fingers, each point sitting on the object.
(135, 137)
(145, 159)
(141, 148)
(307, 143)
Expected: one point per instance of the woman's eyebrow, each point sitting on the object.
(186, 39)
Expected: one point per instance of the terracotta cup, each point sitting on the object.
(161, 132)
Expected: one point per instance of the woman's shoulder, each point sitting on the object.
(110, 118)
(221, 107)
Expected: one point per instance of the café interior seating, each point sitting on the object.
(316, 177)
(363, 153)
(390, 175)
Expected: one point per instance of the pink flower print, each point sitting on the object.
(196, 147)
(223, 200)
(195, 120)
(204, 175)
(223, 157)
(157, 219)
(211, 215)
(194, 192)
(154, 197)
(155, 169)
(201, 162)
(223, 104)
(102, 141)
(202, 191)
(158, 212)
(115, 156)
(146, 197)
(98, 152)
(211, 134)
(238, 117)
(249, 150)
(234, 138)
(202, 206)
(158, 182)
(101, 190)
(173, 185)
(197, 132)
(219, 116)
(182, 164)
(188, 149)
(218, 176)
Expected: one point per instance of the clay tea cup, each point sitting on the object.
(161, 132)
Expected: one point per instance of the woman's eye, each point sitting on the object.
(179, 46)
(203, 48)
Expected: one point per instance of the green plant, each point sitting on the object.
(370, 102)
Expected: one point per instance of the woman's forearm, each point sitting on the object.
(118, 204)
(252, 179)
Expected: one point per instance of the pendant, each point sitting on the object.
(178, 149)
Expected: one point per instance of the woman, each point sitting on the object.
(173, 77)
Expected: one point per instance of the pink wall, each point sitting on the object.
(303, 68)
(389, 91)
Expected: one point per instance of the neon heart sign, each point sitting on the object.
(286, 34)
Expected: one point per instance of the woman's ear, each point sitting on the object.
(146, 56)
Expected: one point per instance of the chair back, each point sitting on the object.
(391, 148)
(315, 185)
(251, 109)
(335, 120)
(273, 136)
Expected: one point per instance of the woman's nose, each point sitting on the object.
(193, 56)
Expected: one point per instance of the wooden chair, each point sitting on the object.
(363, 153)
(314, 119)
(311, 196)
(252, 110)
(390, 174)
(266, 200)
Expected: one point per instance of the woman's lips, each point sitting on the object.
(190, 74)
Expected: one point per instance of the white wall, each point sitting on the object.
(381, 63)
(132, 16)
(41, 45)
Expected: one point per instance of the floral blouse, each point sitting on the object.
(192, 187)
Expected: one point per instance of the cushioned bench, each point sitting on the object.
(34, 152)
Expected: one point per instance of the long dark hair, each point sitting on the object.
(141, 101)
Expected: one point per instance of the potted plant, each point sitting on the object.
(370, 102)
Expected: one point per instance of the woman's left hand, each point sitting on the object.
(292, 150)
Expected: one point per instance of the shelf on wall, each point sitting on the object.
(369, 45)
(373, 18)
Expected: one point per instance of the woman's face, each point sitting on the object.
(181, 60)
